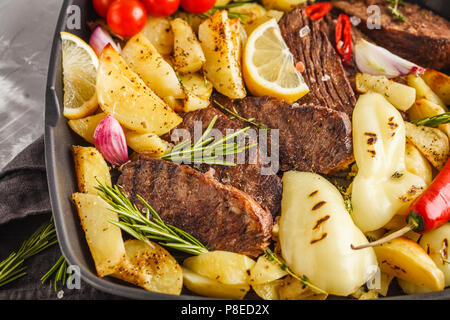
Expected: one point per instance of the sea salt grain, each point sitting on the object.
(295, 105)
(325, 78)
(304, 31)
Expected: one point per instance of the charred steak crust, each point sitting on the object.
(424, 38)
(266, 189)
(220, 216)
(311, 138)
(324, 73)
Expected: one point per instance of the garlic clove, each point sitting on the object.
(109, 139)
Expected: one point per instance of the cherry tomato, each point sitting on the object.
(126, 17)
(197, 6)
(161, 8)
(101, 6)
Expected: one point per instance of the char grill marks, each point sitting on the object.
(220, 216)
(324, 73)
(424, 38)
(311, 138)
(253, 177)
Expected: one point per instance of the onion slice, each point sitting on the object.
(100, 39)
(109, 139)
(376, 60)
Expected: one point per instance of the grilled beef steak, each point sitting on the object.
(222, 217)
(424, 38)
(253, 177)
(308, 41)
(311, 138)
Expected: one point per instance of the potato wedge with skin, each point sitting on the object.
(292, 289)
(405, 259)
(143, 58)
(85, 127)
(268, 290)
(188, 53)
(197, 90)
(90, 166)
(121, 92)
(160, 34)
(431, 142)
(104, 239)
(284, 5)
(423, 91)
(437, 244)
(222, 266)
(146, 143)
(399, 95)
(211, 288)
(151, 267)
(222, 67)
(265, 271)
(417, 164)
(439, 83)
(423, 108)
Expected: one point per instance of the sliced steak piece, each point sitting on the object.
(424, 38)
(253, 177)
(311, 138)
(222, 217)
(324, 73)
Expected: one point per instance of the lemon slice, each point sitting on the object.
(268, 65)
(80, 65)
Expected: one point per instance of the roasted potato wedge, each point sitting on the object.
(417, 164)
(284, 5)
(160, 34)
(90, 166)
(188, 53)
(197, 90)
(423, 108)
(439, 83)
(271, 14)
(292, 289)
(143, 58)
(104, 239)
(436, 244)
(221, 46)
(211, 288)
(405, 259)
(135, 106)
(85, 127)
(265, 271)
(146, 143)
(252, 12)
(411, 288)
(268, 290)
(222, 266)
(151, 267)
(423, 91)
(399, 95)
(431, 142)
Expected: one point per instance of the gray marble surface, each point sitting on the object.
(26, 34)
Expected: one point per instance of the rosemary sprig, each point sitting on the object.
(434, 121)
(234, 113)
(60, 272)
(207, 150)
(148, 226)
(13, 267)
(304, 280)
(394, 9)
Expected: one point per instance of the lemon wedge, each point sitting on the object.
(268, 65)
(80, 65)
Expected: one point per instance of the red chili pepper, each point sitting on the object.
(432, 208)
(427, 212)
(318, 10)
(343, 35)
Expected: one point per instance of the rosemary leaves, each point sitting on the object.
(235, 114)
(434, 121)
(148, 226)
(207, 150)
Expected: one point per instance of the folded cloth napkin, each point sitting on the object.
(24, 205)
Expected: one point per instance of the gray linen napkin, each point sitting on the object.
(24, 205)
